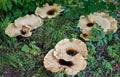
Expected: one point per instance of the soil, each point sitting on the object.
(9, 71)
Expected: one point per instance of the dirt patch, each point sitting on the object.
(9, 71)
(116, 67)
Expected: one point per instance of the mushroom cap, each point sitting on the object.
(66, 49)
(31, 20)
(12, 30)
(101, 20)
(71, 67)
(48, 11)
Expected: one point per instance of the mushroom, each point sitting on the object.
(30, 20)
(48, 11)
(86, 23)
(71, 67)
(66, 49)
(13, 31)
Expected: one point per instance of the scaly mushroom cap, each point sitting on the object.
(13, 31)
(66, 49)
(71, 67)
(107, 22)
(30, 20)
(48, 11)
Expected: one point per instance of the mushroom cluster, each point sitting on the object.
(68, 56)
(24, 25)
(86, 23)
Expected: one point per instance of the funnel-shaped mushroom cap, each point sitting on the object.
(103, 22)
(12, 30)
(88, 22)
(30, 20)
(48, 11)
(71, 67)
(66, 49)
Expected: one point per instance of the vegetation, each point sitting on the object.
(23, 57)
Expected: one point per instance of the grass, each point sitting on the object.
(16, 61)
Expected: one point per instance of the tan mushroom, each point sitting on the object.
(103, 20)
(30, 20)
(71, 67)
(107, 22)
(48, 11)
(66, 49)
(13, 31)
